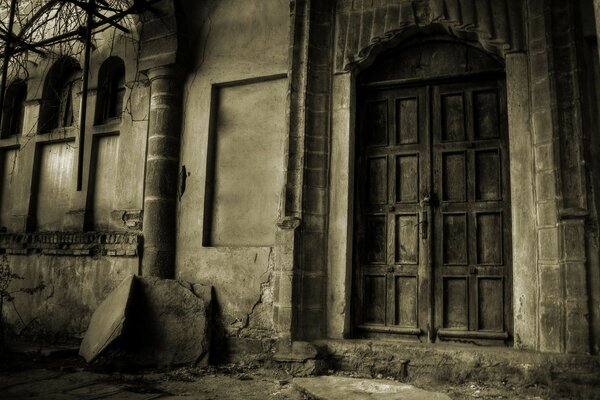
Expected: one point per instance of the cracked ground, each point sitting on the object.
(34, 376)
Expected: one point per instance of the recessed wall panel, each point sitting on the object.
(106, 173)
(487, 175)
(454, 183)
(376, 239)
(485, 105)
(248, 163)
(491, 304)
(489, 238)
(8, 196)
(55, 185)
(453, 120)
(455, 304)
(406, 301)
(407, 178)
(375, 294)
(454, 235)
(376, 123)
(407, 239)
(377, 179)
(407, 117)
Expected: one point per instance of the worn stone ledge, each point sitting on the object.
(455, 362)
(117, 244)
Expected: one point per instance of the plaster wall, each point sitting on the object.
(10, 167)
(230, 42)
(46, 217)
(75, 286)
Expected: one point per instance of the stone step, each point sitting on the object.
(454, 362)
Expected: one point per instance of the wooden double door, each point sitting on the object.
(433, 233)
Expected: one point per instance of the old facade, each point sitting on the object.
(414, 169)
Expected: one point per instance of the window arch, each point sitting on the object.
(111, 90)
(61, 90)
(14, 108)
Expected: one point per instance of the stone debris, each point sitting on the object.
(162, 322)
(107, 321)
(169, 323)
(341, 388)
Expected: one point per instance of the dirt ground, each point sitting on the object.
(65, 376)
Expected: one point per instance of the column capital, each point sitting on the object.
(169, 71)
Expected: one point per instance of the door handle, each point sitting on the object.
(425, 207)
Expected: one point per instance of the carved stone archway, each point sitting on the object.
(361, 34)
(362, 31)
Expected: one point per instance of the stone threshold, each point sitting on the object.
(454, 362)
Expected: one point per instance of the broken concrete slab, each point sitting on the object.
(341, 388)
(107, 321)
(169, 323)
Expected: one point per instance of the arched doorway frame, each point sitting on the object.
(342, 189)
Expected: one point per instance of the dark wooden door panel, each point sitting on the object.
(392, 169)
(473, 250)
(433, 216)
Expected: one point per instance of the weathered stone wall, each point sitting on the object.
(560, 187)
(248, 183)
(235, 48)
(80, 243)
(548, 168)
(75, 286)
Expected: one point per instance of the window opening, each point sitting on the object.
(111, 90)
(14, 109)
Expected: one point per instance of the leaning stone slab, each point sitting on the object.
(169, 323)
(107, 321)
(341, 388)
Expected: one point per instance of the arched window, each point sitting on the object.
(14, 108)
(60, 95)
(111, 90)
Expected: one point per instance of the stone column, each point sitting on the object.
(162, 162)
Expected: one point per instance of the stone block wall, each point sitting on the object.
(560, 186)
